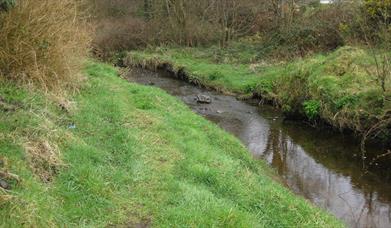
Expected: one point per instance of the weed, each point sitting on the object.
(312, 109)
(348, 101)
(215, 75)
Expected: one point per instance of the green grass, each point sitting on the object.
(343, 82)
(136, 156)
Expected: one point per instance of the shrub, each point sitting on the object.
(378, 10)
(372, 23)
(118, 27)
(42, 43)
(125, 24)
(117, 34)
(303, 38)
(315, 28)
(378, 13)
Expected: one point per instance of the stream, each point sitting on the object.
(324, 167)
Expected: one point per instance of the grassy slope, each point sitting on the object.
(136, 156)
(334, 87)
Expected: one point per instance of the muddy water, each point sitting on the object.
(324, 167)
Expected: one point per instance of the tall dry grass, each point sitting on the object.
(43, 42)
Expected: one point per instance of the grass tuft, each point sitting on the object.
(43, 43)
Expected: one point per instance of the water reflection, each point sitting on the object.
(323, 167)
(342, 188)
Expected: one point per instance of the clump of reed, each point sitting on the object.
(43, 43)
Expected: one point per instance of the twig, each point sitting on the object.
(379, 156)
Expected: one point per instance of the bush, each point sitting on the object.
(42, 43)
(315, 28)
(118, 27)
(378, 10)
(304, 38)
(378, 21)
(118, 34)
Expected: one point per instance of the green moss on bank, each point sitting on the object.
(342, 86)
(131, 155)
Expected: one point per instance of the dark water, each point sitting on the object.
(324, 167)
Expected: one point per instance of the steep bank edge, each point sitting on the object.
(135, 155)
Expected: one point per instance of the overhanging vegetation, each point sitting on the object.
(337, 88)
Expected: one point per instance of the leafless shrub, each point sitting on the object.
(382, 71)
(375, 26)
(132, 24)
(117, 34)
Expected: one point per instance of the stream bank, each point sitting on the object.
(334, 89)
(133, 156)
(322, 166)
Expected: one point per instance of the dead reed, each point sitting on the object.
(43, 42)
